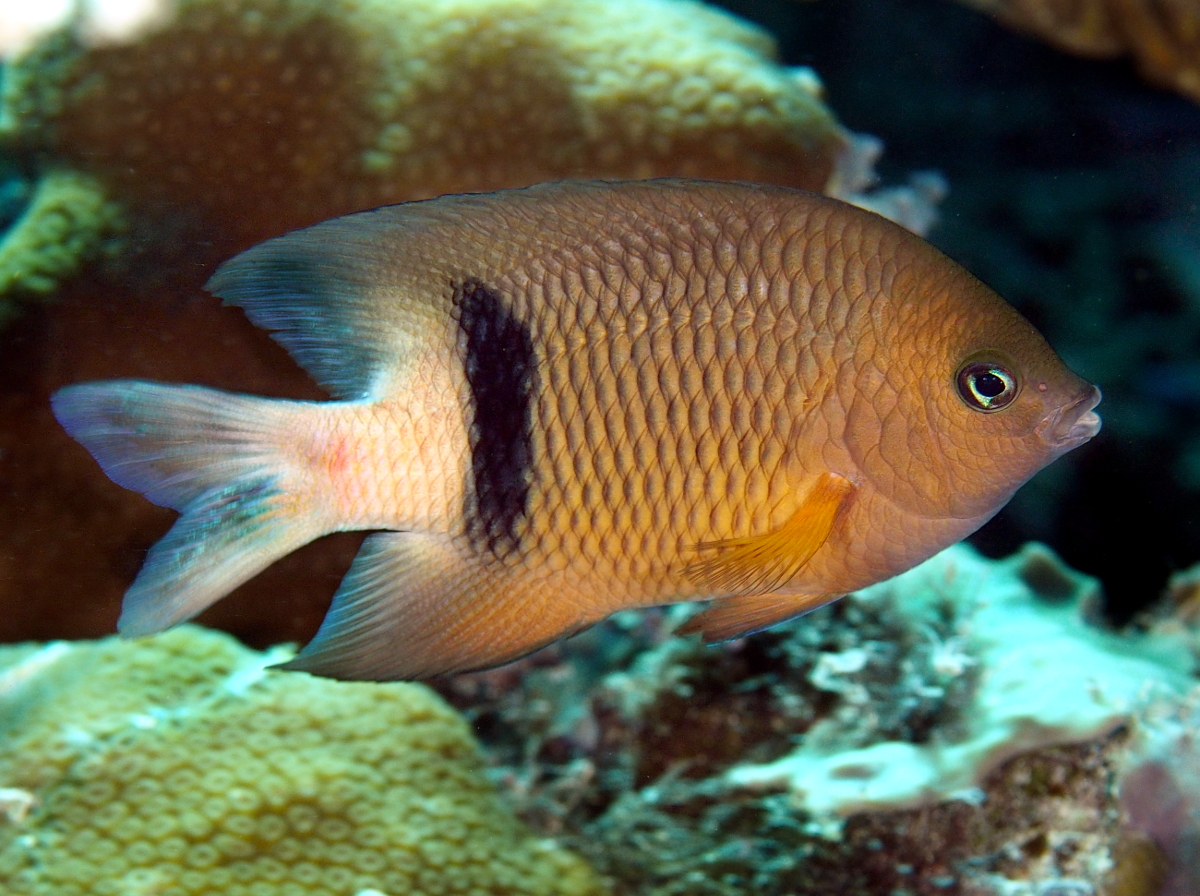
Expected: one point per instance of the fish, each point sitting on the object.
(554, 403)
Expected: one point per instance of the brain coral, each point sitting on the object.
(178, 766)
(259, 116)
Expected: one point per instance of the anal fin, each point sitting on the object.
(727, 618)
(761, 564)
(415, 605)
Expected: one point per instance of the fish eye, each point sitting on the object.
(986, 385)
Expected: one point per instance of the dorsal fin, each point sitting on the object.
(349, 298)
(352, 298)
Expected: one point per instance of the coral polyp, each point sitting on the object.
(178, 766)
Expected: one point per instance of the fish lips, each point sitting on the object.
(1072, 424)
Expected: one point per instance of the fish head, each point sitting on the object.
(967, 400)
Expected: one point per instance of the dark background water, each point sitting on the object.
(1074, 189)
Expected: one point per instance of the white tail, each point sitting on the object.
(214, 457)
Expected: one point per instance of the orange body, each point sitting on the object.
(576, 398)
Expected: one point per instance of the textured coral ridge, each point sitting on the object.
(266, 115)
(68, 219)
(1043, 676)
(178, 766)
(960, 730)
(1163, 35)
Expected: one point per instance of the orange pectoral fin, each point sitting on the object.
(727, 618)
(760, 564)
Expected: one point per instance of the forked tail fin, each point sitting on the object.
(217, 459)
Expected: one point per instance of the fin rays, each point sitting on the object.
(416, 605)
(219, 543)
(211, 455)
(170, 443)
(727, 618)
(314, 289)
(760, 564)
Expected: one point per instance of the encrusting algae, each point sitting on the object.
(178, 766)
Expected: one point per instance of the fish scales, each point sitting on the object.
(650, 450)
(563, 401)
(718, 465)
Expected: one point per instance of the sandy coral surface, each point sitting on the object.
(177, 765)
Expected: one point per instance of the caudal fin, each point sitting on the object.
(211, 455)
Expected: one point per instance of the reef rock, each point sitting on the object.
(966, 728)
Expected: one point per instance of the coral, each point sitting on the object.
(260, 116)
(68, 222)
(1045, 825)
(1163, 35)
(1160, 796)
(180, 765)
(955, 730)
(1041, 676)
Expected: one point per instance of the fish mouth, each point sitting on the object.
(1072, 424)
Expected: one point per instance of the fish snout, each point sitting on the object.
(1072, 424)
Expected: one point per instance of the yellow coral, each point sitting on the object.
(1162, 35)
(177, 766)
(265, 115)
(65, 224)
